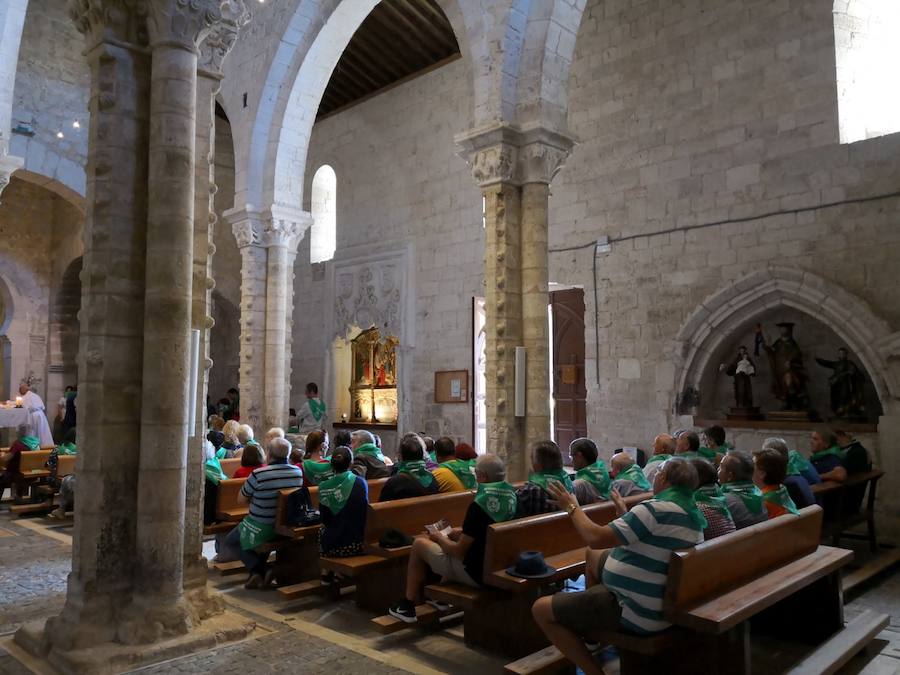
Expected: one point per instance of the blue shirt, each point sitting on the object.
(262, 487)
(347, 527)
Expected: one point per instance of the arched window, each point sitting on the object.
(867, 52)
(323, 239)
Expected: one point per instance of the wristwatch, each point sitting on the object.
(570, 509)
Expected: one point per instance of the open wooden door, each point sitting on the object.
(569, 390)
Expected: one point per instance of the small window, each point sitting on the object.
(323, 239)
(867, 52)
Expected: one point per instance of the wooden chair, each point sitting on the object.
(833, 496)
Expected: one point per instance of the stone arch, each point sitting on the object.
(707, 329)
(71, 190)
(65, 328)
(13, 335)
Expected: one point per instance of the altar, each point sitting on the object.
(13, 417)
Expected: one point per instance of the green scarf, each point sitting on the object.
(684, 497)
(433, 457)
(464, 469)
(712, 496)
(213, 471)
(797, 464)
(369, 449)
(689, 455)
(636, 476)
(658, 458)
(67, 449)
(293, 430)
(498, 500)
(317, 408)
(417, 470)
(749, 494)
(220, 453)
(597, 475)
(335, 491)
(782, 498)
(31, 442)
(822, 454)
(317, 472)
(541, 479)
(707, 453)
(254, 533)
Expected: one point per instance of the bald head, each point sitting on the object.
(619, 463)
(664, 444)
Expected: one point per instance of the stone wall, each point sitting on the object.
(400, 181)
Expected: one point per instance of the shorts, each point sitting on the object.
(586, 612)
(448, 567)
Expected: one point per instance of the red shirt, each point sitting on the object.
(244, 471)
(14, 456)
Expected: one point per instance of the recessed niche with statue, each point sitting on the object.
(785, 367)
(373, 389)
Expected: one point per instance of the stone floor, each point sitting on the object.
(309, 635)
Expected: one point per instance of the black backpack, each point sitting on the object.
(299, 509)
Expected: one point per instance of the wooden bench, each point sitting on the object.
(774, 574)
(228, 511)
(229, 466)
(32, 469)
(832, 496)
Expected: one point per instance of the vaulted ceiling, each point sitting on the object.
(399, 39)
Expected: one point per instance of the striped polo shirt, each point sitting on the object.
(636, 571)
(262, 486)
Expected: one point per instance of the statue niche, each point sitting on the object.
(373, 390)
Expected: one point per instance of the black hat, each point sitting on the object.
(394, 539)
(531, 565)
(216, 438)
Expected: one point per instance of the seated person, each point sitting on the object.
(459, 556)
(10, 477)
(711, 500)
(260, 491)
(274, 432)
(343, 503)
(628, 479)
(316, 468)
(296, 458)
(592, 482)
(856, 460)
(252, 458)
(626, 565)
(451, 474)
(368, 461)
(430, 460)
(412, 478)
(245, 435)
(293, 422)
(744, 499)
(342, 437)
(826, 456)
(687, 445)
(466, 452)
(547, 467)
(216, 422)
(770, 470)
(797, 468)
(663, 448)
(230, 442)
(716, 446)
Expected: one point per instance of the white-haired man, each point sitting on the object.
(368, 461)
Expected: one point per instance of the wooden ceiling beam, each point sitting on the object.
(362, 71)
(389, 60)
(411, 31)
(413, 45)
(414, 13)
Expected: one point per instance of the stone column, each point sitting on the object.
(12, 18)
(209, 75)
(112, 331)
(514, 167)
(175, 29)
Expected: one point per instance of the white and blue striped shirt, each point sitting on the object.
(262, 486)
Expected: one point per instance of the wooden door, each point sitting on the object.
(569, 391)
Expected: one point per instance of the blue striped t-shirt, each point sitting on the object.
(636, 571)
(262, 486)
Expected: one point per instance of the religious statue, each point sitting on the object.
(789, 375)
(846, 382)
(741, 369)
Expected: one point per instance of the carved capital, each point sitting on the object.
(223, 34)
(8, 164)
(247, 225)
(286, 227)
(182, 23)
(121, 21)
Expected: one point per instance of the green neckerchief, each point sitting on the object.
(317, 472)
(797, 464)
(293, 430)
(822, 454)
(782, 498)
(417, 470)
(712, 496)
(254, 533)
(684, 497)
(658, 458)
(335, 491)
(369, 449)
(597, 475)
(464, 469)
(498, 500)
(433, 457)
(31, 442)
(541, 479)
(690, 455)
(636, 476)
(707, 453)
(67, 449)
(317, 408)
(213, 470)
(220, 453)
(749, 494)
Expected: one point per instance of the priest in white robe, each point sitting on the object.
(37, 416)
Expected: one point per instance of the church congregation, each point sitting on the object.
(533, 336)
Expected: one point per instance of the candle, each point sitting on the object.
(18, 401)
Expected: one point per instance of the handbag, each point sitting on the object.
(300, 511)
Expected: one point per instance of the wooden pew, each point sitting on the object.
(229, 466)
(227, 507)
(775, 572)
(32, 469)
(832, 496)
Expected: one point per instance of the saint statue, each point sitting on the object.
(846, 382)
(788, 372)
(741, 369)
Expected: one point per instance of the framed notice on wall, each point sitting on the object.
(451, 386)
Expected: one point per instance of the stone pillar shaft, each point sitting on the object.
(276, 330)
(253, 334)
(167, 316)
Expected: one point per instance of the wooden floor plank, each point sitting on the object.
(229, 568)
(838, 650)
(301, 590)
(545, 662)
